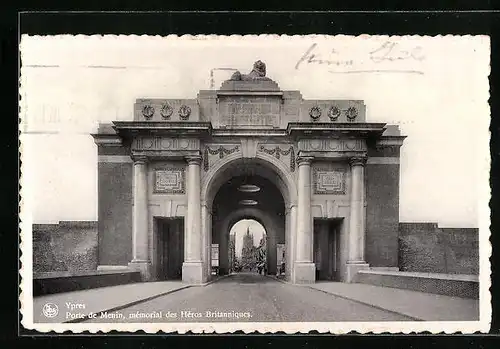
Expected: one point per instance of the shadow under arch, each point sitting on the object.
(263, 165)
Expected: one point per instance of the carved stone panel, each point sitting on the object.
(218, 151)
(250, 110)
(337, 111)
(170, 180)
(152, 109)
(278, 151)
(165, 143)
(329, 181)
(326, 145)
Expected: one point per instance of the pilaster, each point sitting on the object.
(192, 268)
(304, 266)
(140, 242)
(356, 238)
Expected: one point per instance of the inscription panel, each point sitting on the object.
(329, 181)
(326, 145)
(250, 110)
(170, 180)
(165, 143)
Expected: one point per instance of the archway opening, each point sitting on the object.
(249, 196)
(248, 247)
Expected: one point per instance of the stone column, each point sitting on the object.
(140, 217)
(356, 239)
(192, 268)
(293, 242)
(207, 241)
(287, 242)
(304, 266)
(209, 246)
(205, 231)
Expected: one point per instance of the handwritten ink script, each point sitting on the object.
(390, 57)
(391, 51)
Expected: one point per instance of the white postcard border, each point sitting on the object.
(483, 325)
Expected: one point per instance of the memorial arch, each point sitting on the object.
(169, 182)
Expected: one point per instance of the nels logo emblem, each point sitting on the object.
(50, 310)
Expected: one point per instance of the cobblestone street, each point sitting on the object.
(249, 297)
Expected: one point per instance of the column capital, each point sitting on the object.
(139, 159)
(304, 160)
(357, 161)
(193, 159)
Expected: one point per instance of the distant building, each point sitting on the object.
(248, 256)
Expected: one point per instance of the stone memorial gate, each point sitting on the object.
(318, 177)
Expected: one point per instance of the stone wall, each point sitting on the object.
(424, 247)
(382, 214)
(67, 246)
(115, 212)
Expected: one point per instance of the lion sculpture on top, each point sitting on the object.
(258, 73)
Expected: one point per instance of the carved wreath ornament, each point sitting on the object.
(333, 113)
(315, 113)
(166, 111)
(351, 113)
(184, 112)
(148, 111)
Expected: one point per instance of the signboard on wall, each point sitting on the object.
(280, 253)
(215, 255)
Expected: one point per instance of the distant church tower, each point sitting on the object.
(247, 251)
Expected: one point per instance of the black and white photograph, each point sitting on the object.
(266, 183)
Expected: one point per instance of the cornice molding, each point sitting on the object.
(107, 140)
(324, 130)
(177, 128)
(387, 141)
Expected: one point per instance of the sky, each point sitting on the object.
(240, 229)
(437, 95)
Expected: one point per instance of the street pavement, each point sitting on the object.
(249, 297)
(420, 305)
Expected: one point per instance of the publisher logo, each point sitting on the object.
(50, 310)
